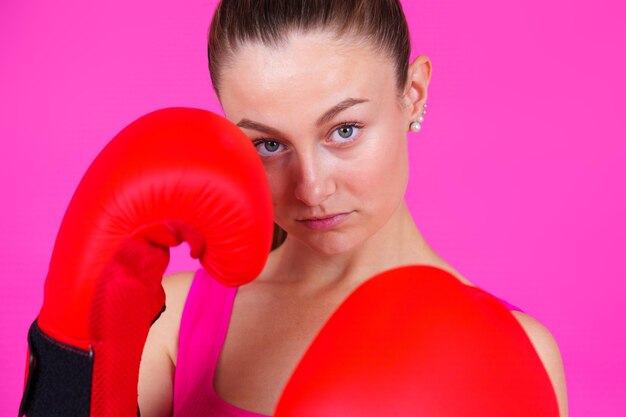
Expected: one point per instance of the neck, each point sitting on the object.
(397, 243)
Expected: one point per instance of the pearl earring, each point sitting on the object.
(416, 126)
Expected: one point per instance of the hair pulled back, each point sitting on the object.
(380, 24)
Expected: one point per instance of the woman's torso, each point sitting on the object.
(237, 347)
(261, 334)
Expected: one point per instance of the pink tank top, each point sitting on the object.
(203, 328)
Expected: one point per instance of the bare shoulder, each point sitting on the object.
(548, 350)
(443, 265)
(177, 283)
(176, 287)
(158, 360)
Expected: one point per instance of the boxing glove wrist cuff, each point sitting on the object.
(59, 378)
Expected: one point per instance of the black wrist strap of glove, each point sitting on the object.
(59, 378)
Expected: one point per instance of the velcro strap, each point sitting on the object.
(59, 378)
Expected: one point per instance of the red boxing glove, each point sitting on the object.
(173, 175)
(415, 341)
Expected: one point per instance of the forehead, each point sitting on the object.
(309, 73)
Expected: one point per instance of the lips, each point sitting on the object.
(324, 223)
(320, 218)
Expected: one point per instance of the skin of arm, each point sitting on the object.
(156, 370)
(550, 355)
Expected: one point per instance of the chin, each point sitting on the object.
(329, 245)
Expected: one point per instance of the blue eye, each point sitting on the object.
(267, 147)
(345, 133)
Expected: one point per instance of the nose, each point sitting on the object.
(314, 180)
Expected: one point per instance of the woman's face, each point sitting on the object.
(326, 120)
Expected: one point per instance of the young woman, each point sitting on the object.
(326, 92)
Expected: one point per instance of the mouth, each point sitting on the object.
(326, 222)
(320, 218)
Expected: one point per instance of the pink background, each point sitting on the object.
(517, 177)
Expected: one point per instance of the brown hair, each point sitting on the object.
(380, 24)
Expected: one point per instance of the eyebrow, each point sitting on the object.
(327, 116)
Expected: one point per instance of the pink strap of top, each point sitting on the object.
(203, 329)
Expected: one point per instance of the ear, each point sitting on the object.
(416, 88)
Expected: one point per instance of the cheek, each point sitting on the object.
(380, 175)
(278, 186)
